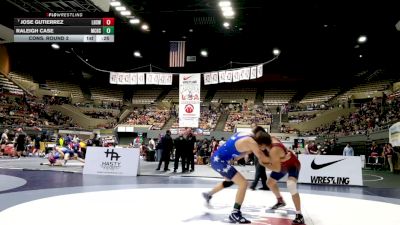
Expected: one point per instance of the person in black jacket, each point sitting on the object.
(260, 171)
(190, 150)
(180, 145)
(167, 145)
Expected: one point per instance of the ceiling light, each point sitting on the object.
(204, 53)
(115, 3)
(145, 27)
(126, 13)
(224, 3)
(276, 51)
(226, 9)
(163, 31)
(226, 24)
(362, 39)
(137, 54)
(228, 13)
(120, 8)
(190, 30)
(55, 46)
(360, 56)
(134, 21)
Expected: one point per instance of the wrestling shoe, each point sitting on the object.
(278, 205)
(298, 220)
(236, 217)
(207, 197)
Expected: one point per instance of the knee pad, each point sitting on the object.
(292, 186)
(227, 184)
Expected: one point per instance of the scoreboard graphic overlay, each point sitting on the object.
(64, 29)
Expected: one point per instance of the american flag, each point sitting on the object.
(177, 54)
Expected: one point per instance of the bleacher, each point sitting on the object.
(368, 88)
(9, 86)
(21, 77)
(146, 96)
(106, 94)
(319, 96)
(70, 87)
(247, 118)
(173, 95)
(278, 97)
(238, 95)
(203, 93)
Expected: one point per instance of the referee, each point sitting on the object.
(260, 172)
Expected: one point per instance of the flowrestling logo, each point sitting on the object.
(112, 163)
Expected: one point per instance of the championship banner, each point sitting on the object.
(228, 76)
(214, 77)
(253, 73)
(140, 78)
(133, 78)
(113, 78)
(149, 78)
(221, 76)
(189, 99)
(207, 78)
(246, 73)
(127, 78)
(120, 79)
(241, 74)
(259, 70)
(330, 170)
(112, 161)
(236, 76)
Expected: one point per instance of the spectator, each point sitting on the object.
(167, 145)
(221, 142)
(388, 153)
(348, 150)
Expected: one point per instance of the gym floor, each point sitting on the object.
(44, 196)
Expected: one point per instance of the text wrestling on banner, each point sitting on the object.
(189, 100)
(330, 170)
(112, 161)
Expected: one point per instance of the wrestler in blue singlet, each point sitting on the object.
(220, 159)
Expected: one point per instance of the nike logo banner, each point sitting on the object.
(320, 166)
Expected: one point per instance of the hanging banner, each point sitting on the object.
(241, 74)
(259, 70)
(127, 78)
(253, 73)
(246, 73)
(113, 78)
(149, 78)
(120, 79)
(207, 78)
(221, 76)
(140, 78)
(214, 77)
(168, 80)
(133, 78)
(236, 76)
(228, 76)
(189, 99)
